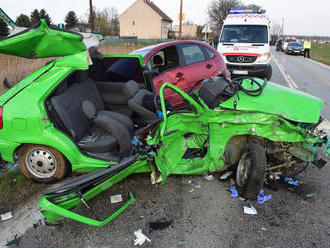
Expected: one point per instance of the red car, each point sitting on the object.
(182, 63)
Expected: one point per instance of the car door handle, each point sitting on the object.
(179, 74)
(208, 66)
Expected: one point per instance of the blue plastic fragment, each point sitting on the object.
(134, 141)
(289, 180)
(233, 191)
(262, 198)
(159, 114)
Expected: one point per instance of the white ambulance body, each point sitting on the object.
(245, 43)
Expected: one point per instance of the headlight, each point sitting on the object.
(264, 57)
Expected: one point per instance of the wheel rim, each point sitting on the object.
(243, 170)
(41, 163)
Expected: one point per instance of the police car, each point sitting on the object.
(244, 43)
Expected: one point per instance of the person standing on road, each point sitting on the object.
(307, 48)
(215, 41)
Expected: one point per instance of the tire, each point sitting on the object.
(269, 73)
(251, 171)
(41, 163)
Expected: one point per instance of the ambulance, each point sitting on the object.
(245, 43)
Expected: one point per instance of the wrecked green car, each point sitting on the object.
(97, 113)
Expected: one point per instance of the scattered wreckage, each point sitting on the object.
(249, 125)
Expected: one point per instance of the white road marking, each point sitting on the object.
(292, 84)
(319, 63)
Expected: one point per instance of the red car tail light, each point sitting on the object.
(1, 122)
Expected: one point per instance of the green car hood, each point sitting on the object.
(276, 99)
(42, 41)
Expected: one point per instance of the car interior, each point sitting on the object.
(102, 125)
(103, 108)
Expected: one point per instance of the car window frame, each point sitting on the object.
(201, 47)
(149, 66)
(204, 49)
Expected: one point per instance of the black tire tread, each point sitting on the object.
(257, 174)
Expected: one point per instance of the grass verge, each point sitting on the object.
(321, 53)
(15, 189)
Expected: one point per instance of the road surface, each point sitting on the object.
(208, 216)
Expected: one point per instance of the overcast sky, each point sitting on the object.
(301, 17)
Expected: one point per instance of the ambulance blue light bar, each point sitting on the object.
(247, 11)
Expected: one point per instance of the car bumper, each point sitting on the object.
(295, 52)
(7, 150)
(254, 70)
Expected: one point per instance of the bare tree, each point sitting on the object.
(106, 21)
(252, 6)
(276, 29)
(276, 32)
(218, 10)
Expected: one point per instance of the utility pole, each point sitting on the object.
(91, 17)
(282, 26)
(180, 25)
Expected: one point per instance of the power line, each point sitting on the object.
(180, 26)
(91, 17)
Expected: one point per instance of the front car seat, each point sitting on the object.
(119, 132)
(135, 97)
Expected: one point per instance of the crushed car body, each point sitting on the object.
(89, 113)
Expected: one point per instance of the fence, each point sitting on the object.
(128, 41)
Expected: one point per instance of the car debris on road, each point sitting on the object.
(14, 241)
(6, 216)
(262, 198)
(116, 198)
(140, 238)
(250, 210)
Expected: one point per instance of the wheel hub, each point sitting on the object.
(41, 163)
(243, 170)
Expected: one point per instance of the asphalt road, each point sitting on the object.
(208, 216)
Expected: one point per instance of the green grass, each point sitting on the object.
(321, 53)
(15, 188)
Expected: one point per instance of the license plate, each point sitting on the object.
(239, 72)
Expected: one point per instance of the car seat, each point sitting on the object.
(110, 125)
(135, 97)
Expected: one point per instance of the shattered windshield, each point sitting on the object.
(244, 34)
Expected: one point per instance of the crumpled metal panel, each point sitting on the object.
(217, 128)
(43, 42)
(276, 99)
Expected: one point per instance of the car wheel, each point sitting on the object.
(269, 72)
(42, 163)
(251, 170)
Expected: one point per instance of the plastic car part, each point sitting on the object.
(57, 202)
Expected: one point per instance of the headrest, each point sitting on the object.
(89, 109)
(130, 88)
(94, 53)
(157, 60)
